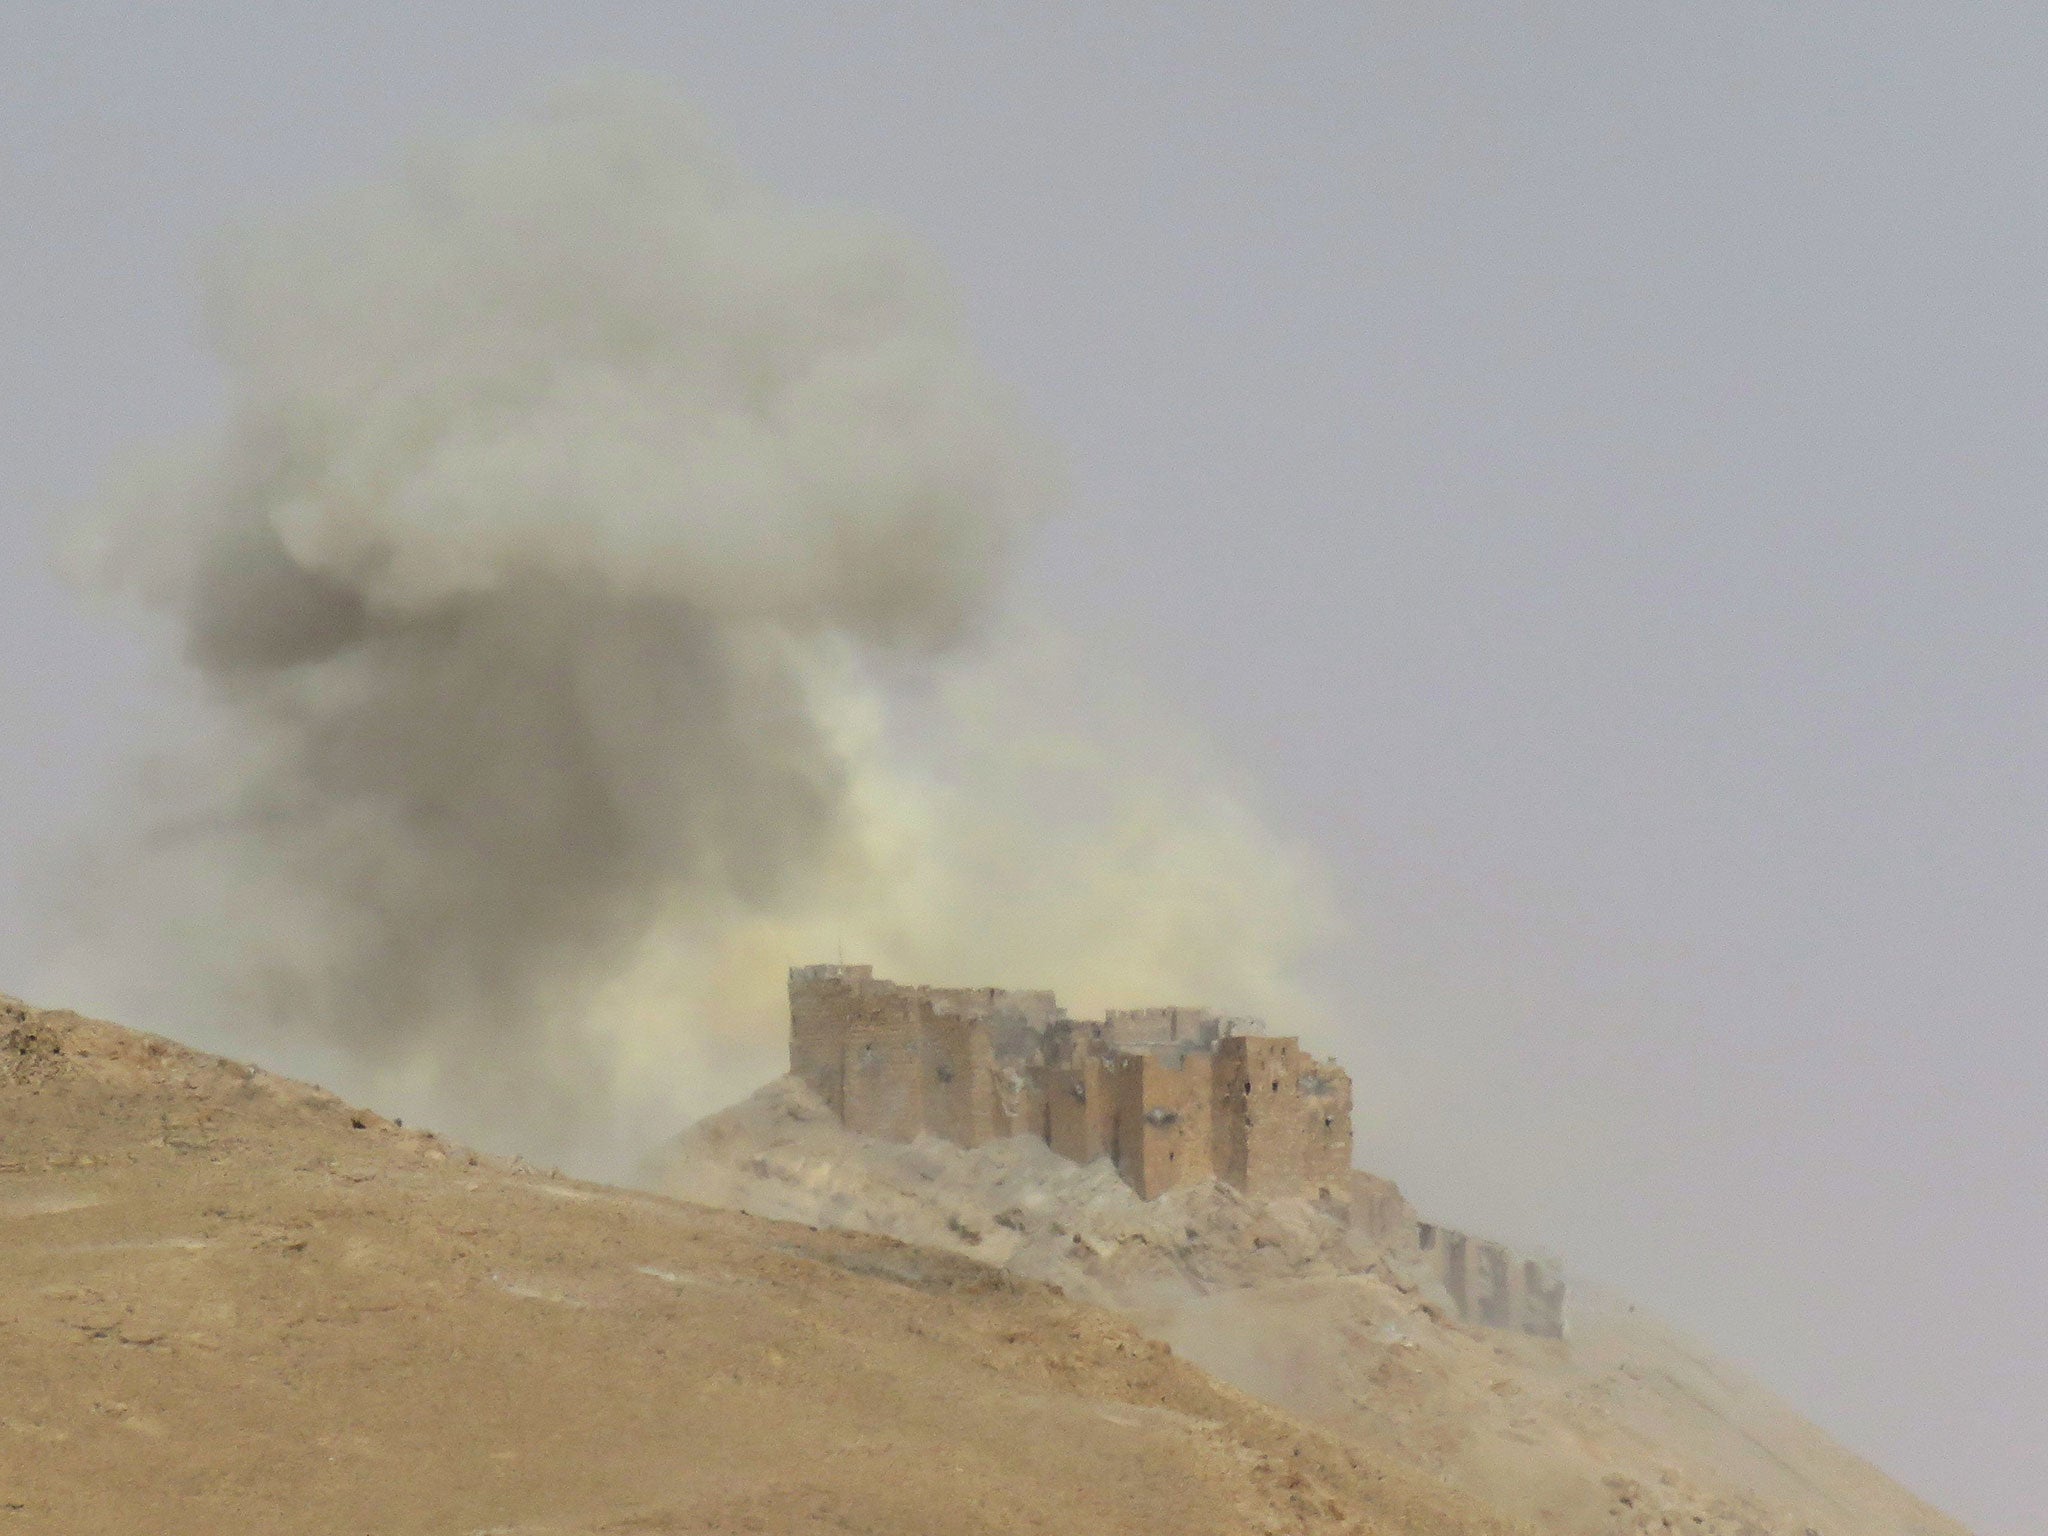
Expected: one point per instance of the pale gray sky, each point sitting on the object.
(1582, 460)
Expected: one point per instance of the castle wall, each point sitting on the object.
(1016, 1020)
(959, 1084)
(1080, 1108)
(1018, 1091)
(1133, 1027)
(823, 1000)
(894, 1061)
(1282, 1121)
(1490, 1284)
(1326, 1093)
(1381, 1214)
(1164, 1131)
(884, 1066)
(1541, 1309)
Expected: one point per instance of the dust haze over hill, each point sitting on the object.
(593, 600)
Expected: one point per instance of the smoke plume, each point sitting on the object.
(595, 598)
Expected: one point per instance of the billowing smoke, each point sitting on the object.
(596, 597)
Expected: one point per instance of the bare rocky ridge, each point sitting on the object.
(1621, 1429)
(231, 1303)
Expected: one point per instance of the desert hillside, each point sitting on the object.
(1622, 1428)
(231, 1303)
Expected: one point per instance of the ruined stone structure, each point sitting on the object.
(1492, 1284)
(1488, 1283)
(959, 1062)
(1173, 1095)
(1381, 1214)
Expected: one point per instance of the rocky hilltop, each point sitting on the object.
(230, 1302)
(1338, 1313)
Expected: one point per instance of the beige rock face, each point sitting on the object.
(231, 1304)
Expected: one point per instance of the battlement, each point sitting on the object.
(1173, 1095)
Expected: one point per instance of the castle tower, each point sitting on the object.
(1163, 1114)
(1282, 1119)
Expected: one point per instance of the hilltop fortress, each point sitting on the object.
(1172, 1095)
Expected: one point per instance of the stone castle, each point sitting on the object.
(1172, 1095)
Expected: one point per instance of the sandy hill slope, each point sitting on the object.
(1621, 1429)
(230, 1303)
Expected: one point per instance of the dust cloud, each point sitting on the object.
(596, 598)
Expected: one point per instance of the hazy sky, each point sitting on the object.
(1582, 461)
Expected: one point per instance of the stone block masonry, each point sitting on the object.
(1163, 1112)
(1174, 1095)
(1493, 1285)
(896, 1062)
(1283, 1119)
(1080, 1109)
